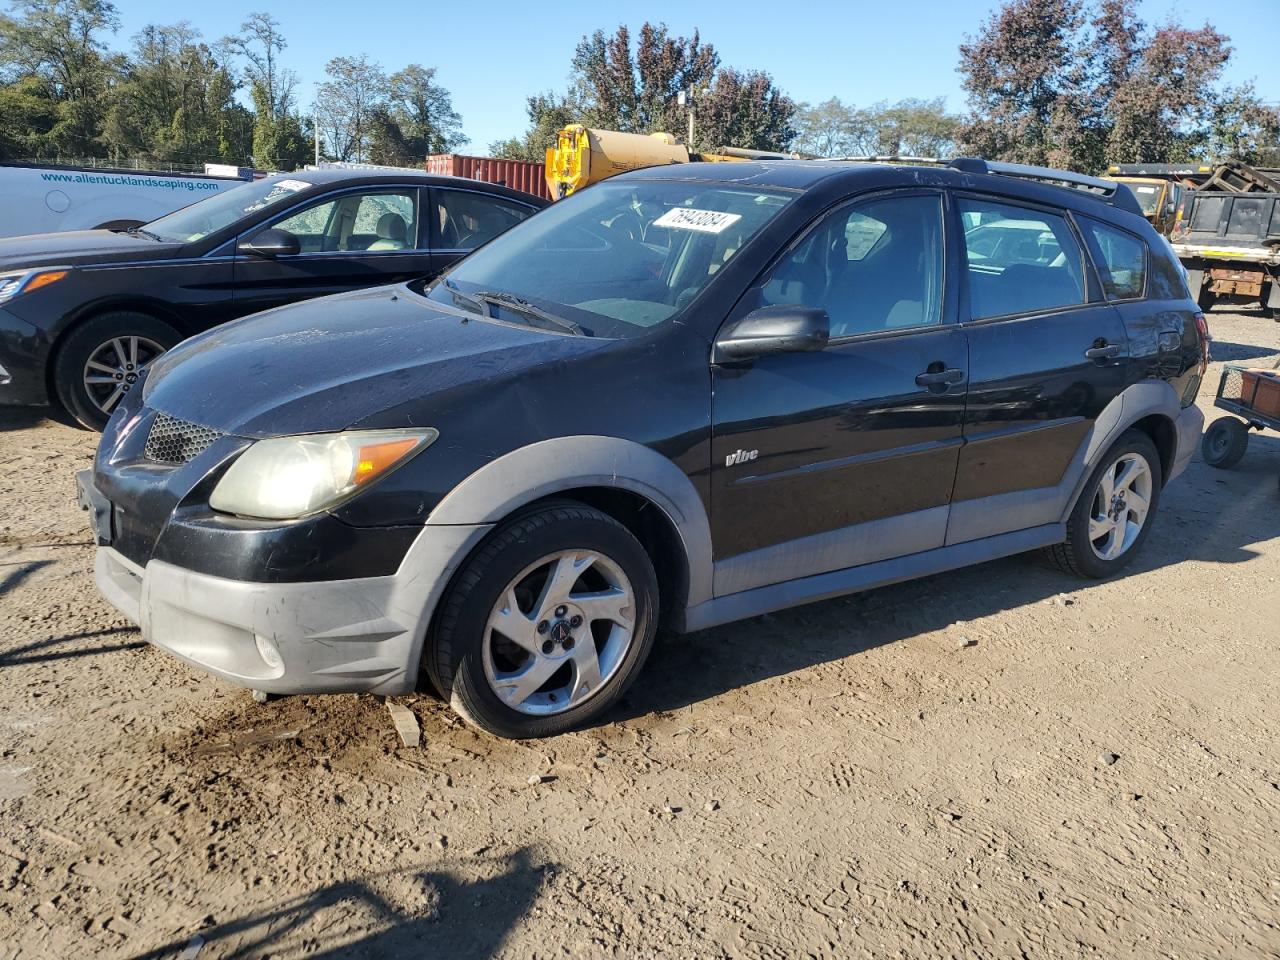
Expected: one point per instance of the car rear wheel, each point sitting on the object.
(546, 626)
(1114, 513)
(104, 359)
(1224, 443)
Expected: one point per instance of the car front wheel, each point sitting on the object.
(103, 359)
(547, 624)
(1114, 513)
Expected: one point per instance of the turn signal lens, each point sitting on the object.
(44, 279)
(374, 458)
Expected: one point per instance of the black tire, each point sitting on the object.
(1206, 300)
(1077, 555)
(1224, 443)
(88, 339)
(454, 657)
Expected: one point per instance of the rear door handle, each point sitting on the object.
(1104, 351)
(933, 378)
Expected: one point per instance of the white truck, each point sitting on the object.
(46, 199)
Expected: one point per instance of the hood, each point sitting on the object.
(339, 362)
(77, 247)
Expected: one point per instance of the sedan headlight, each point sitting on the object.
(288, 477)
(24, 281)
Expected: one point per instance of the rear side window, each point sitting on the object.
(465, 220)
(1019, 260)
(1122, 258)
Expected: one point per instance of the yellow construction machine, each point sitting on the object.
(583, 156)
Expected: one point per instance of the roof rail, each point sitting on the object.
(889, 158)
(1109, 191)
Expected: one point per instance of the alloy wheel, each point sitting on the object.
(115, 367)
(1120, 506)
(559, 632)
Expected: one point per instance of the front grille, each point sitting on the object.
(176, 441)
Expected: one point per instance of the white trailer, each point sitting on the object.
(47, 199)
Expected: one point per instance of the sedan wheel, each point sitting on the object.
(115, 367)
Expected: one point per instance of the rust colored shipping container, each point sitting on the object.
(517, 174)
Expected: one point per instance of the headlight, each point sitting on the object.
(288, 477)
(24, 281)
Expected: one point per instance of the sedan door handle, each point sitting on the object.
(934, 378)
(1103, 351)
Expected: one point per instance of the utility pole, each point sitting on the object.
(315, 124)
(685, 99)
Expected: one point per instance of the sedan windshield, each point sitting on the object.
(222, 210)
(614, 260)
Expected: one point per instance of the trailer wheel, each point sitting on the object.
(1206, 299)
(1224, 442)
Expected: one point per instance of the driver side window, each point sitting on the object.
(873, 266)
(354, 222)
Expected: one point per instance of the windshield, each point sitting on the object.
(1148, 195)
(222, 210)
(617, 259)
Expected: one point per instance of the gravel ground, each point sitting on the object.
(998, 761)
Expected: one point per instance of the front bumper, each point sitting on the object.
(1190, 425)
(321, 637)
(24, 353)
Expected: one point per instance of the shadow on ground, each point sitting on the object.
(1208, 515)
(57, 648)
(404, 913)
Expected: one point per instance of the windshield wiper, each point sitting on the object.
(521, 306)
(459, 297)
(139, 231)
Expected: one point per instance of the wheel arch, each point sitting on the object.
(1151, 406)
(639, 487)
(77, 319)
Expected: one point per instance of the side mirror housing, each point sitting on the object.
(781, 328)
(271, 243)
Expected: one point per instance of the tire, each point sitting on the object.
(1206, 300)
(472, 655)
(94, 341)
(1086, 556)
(1224, 443)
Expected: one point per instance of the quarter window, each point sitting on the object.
(874, 266)
(1123, 260)
(1019, 260)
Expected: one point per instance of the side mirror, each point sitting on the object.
(272, 243)
(781, 328)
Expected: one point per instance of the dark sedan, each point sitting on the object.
(83, 314)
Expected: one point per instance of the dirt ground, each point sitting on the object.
(848, 779)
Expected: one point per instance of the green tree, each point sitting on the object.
(548, 113)
(27, 116)
(176, 102)
(351, 105)
(908, 128)
(58, 44)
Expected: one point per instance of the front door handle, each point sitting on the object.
(936, 378)
(1101, 350)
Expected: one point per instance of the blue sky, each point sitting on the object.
(492, 55)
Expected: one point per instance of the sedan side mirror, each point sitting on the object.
(272, 243)
(781, 328)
